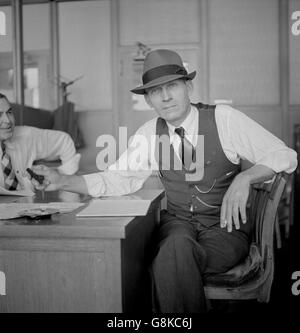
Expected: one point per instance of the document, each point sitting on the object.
(34, 210)
(116, 206)
(21, 193)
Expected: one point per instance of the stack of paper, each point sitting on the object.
(120, 206)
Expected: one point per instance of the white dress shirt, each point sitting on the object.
(240, 137)
(29, 144)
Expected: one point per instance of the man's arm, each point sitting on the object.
(247, 140)
(125, 176)
(110, 183)
(52, 145)
(54, 180)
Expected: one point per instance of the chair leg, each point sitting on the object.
(277, 233)
(287, 228)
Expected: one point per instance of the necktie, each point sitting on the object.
(10, 179)
(186, 149)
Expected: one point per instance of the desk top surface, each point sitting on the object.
(68, 225)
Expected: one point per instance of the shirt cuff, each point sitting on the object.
(281, 161)
(95, 184)
(71, 166)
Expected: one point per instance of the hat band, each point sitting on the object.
(163, 70)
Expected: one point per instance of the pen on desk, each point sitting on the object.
(39, 178)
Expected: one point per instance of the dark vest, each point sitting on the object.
(197, 200)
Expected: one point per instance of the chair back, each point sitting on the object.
(263, 203)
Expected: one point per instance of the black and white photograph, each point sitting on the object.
(149, 159)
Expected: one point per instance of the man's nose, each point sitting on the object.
(165, 94)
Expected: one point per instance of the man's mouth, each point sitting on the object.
(5, 128)
(169, 107)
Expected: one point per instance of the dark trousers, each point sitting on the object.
(185, 251)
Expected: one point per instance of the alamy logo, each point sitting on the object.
(2, 24)
(2, 284)
(296, 24)
(296, 284)
(140, 148)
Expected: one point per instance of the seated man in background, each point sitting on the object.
(21, 146)
(204, 228)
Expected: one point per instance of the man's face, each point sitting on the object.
(171, 100)
(7, 120)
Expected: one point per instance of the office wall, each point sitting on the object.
(235, 46)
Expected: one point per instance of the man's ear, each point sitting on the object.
(190, 86)
(148, 101)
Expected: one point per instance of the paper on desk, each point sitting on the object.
(21, 193)
(116, 206)
(14, 210)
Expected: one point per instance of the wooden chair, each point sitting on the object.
(286, 207)
(252, 279)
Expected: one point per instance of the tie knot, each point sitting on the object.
(180, 131)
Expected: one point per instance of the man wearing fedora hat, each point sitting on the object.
(204, 229)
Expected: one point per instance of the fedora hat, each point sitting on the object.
(162, 66)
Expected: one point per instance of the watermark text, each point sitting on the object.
(147, 153)
(295, 28)
(2, 24)
(2, 284)
(296, 284)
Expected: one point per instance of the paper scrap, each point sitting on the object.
(15, 210)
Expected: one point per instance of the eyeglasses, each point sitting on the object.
(158, 91)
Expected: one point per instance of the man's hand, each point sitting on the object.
(52, 178)
(234, 202)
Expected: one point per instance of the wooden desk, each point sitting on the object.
(69, 264)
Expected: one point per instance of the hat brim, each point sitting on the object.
(141, 90)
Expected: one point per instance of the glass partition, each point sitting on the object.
(39, 83)
(85, 53)
(6, 55)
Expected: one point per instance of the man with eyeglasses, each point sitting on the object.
(204, 228)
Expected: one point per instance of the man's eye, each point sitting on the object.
(155, 91)
(172, 85)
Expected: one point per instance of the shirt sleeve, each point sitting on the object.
(243, 138)
(129, 172)
(52, 145)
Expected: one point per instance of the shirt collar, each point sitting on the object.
(189, 124)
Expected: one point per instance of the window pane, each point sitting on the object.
(247, 68)
(6, 56)
(85, 53)
(159, 21)
(39, 83)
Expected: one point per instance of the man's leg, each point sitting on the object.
(223, 249)
(177, 267)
